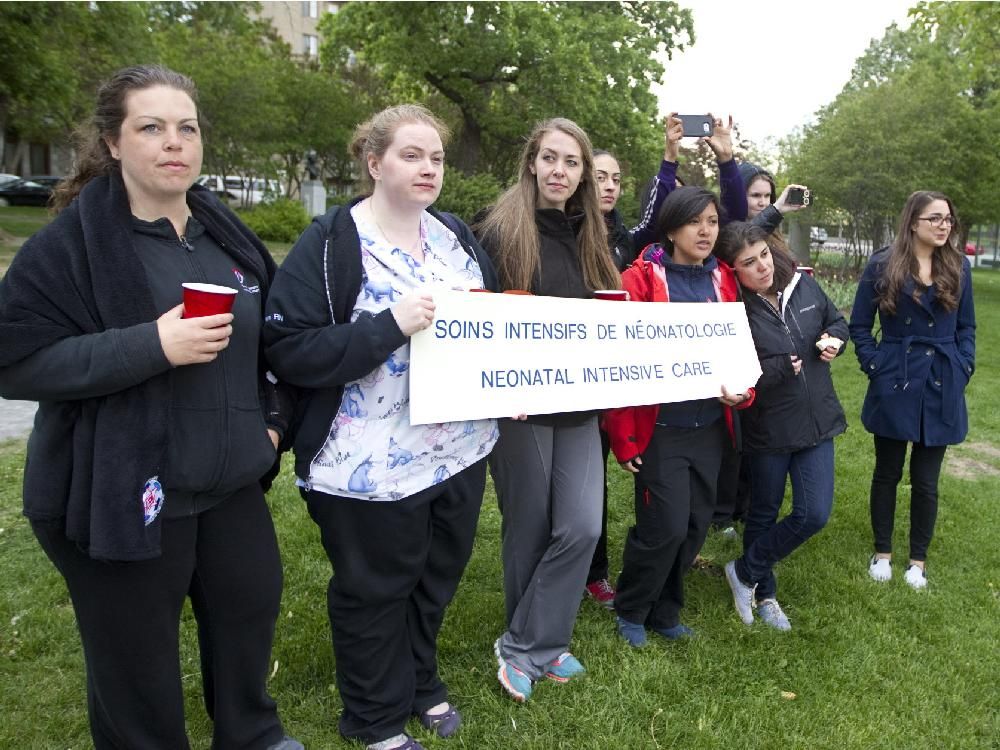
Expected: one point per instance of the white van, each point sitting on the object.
(237, 191)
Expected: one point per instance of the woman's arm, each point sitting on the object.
(732, 193)
(863, 313)
(303, 345)
(965, 325)
(666, 180)
(86, 366)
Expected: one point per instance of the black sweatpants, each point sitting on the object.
(674, 500)
(925, 469)
(226, 559)
(396, 567)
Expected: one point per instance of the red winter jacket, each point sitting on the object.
(630, 428)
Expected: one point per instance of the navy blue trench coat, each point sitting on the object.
(918, 368)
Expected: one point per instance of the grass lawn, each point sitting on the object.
(866, 665)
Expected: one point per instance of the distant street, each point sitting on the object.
(16, 418)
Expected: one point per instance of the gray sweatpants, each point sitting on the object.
(549, 484)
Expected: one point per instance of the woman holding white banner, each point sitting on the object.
(546, 235)
(673, 449)
(788, 431)
(397, 505)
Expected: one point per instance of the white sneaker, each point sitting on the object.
(916, 577)
(880, 568)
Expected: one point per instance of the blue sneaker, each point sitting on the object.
(633, 633)
(514, 681)
(676, 633)
(564, 668)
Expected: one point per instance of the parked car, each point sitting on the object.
(817, 235)
(237, 191)
(971, 249)
(5, 178)
(31, 191)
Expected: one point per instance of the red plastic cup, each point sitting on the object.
(615, 295)
(207, 299)
(806, 269)
(486, 291)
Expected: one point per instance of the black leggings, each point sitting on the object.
(925, 468)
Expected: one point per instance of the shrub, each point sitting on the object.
(465, 195)
(282, 220)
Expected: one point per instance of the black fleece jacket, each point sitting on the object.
(310, 339)
(792, 412)
(78, 334)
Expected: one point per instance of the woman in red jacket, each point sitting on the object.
(673, 449)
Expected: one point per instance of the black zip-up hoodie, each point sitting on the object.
(216, 436)
(792, 412)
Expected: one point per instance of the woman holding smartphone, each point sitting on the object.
(920, 288)
(546, 235)
(788, 431)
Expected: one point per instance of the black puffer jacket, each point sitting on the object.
(792, 412)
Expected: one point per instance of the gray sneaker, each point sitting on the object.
(742, 594)
(772, 613)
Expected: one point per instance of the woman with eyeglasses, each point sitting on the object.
(921, 289)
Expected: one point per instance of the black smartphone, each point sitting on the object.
(798, 197)
(697, 126)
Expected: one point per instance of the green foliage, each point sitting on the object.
(282, 220)
(915, 115)
(54, 55)
(495, 68)
(465, 195)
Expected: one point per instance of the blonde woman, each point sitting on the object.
(396, 504)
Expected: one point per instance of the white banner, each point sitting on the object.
(499, 355)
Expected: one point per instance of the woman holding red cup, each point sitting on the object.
(155, 430)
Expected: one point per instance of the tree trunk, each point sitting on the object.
(470, 145)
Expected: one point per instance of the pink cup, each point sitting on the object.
(616, 295)
(207, 299)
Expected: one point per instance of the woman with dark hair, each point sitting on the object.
(921, 289)
(546, 235)
(144, 475)
(396, 504)
(625, 247)
(788, 431)
(765, 207)
(672, 449)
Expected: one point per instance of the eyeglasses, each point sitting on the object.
(937, 220)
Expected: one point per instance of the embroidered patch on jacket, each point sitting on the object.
(239, 277)
(152, 500)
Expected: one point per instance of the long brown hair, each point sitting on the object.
(510, 223)
(902, 264)
(374, 136)
(738, 235)
(93, 156)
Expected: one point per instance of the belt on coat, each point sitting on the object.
(944, 345)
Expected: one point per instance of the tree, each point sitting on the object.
(494, 68)
(909, 119)
(53, 57)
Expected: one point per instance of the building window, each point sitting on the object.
(310, 45)
(310, 8)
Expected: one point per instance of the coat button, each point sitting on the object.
(909, 349)
(931, 324)
(908, 321)
(871, 366)
(937, 383)
(930, 352)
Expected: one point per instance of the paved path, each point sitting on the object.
(16, 418)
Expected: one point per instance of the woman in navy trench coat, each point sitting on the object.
(921, 289)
